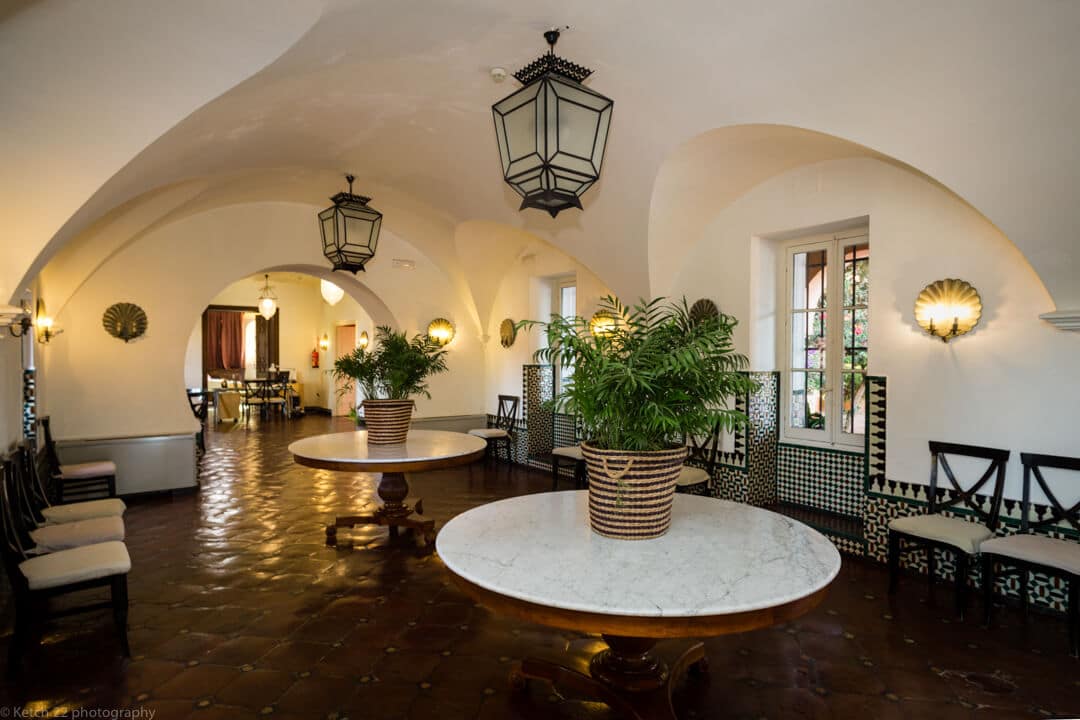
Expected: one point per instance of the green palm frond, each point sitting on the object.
(658, 376)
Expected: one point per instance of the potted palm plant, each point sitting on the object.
(389, 376)
(643, 381)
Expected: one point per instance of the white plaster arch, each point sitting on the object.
(358, 291)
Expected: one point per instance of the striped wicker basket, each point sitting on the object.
(630, 493)
(387, 420)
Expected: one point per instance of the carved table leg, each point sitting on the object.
(394, 513)
(626, 676)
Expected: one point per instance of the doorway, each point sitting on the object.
(344, 342)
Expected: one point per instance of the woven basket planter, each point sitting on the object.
(630, 493)
(387, 420)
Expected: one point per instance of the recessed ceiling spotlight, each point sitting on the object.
(498, 74)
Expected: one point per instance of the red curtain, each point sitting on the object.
(223, 340)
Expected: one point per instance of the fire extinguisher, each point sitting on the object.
(315, 358)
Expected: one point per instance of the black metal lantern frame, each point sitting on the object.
(552, 132)
(350, 230)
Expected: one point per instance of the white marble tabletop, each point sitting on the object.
(419, 446)
(718, 558)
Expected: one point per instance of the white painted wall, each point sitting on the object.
(346, 312)
(526, 294)
(109, 388)
(10, 391)
(1010, 383)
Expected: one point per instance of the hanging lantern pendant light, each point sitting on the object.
(552, 133)
(267, 300)
(350, 230)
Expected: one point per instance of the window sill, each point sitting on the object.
(849, 448)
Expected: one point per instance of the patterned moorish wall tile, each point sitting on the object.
(29, 408)
(747, 474)
(891, 499)
(539, 387)
(825, 479)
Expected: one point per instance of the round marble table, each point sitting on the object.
(422, 450)
(722, 568)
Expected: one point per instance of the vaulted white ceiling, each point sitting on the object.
(119, 115)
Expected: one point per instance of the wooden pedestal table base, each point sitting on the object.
(626, 676)
(722, 568)
(395, 512)
(422, 450)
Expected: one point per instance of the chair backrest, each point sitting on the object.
(1033, 464)
(966, 496)
(252, 389)
(50, 446)
(26, 503)
(13, 540)
(704, 450)
(506, 416)
(198, 403)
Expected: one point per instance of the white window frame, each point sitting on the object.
(557, 286)
(833, 436)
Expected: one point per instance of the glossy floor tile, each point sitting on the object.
(240, 610)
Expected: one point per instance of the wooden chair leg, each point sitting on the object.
(894, 561)
(962, 565)
(554, 472)
(120, 611)
(20, 637)
(931, 573)
(1024, 591)
(1074, 615)
(988, 589)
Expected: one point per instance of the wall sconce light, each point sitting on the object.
(441, 331)
(363, 340)
(45, 328)
(16, 319)
(324, 343)
(948, 308)
(602, 324)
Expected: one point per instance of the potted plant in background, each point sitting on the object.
(642, 384)
(389, 376)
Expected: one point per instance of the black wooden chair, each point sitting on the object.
(1031, 551)
(502, 432)
(254, 397)
(29, 504)
(935, 531)
(200, 405)
(43, 491)
(78, 481)
(569, 454)
(36, 579)
(694, 478)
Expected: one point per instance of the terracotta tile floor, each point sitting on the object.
(238, 609)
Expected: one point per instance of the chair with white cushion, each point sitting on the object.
(1031, 551)
(36, 579)
(78, 481)
(703, 452)
(48, 537)
(36, 478)
(935, 531)
(502, 432)
(568, 454)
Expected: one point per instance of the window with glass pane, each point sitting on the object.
(808, 339)
(567, 302)
(826, 362)
(856, 336)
